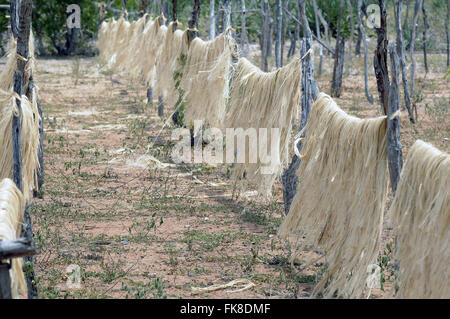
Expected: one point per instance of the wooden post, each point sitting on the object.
(380, 59)
(23, 51)
(395, 156)
(417, 9)
(364, 39)
(309, 92)
(5, 281)
(401, 55)
(339, 53)
(316, 16)
(265, 30)
(447, 20)
(193, 21)
(424, 39)
(278, 34)
(244, 37)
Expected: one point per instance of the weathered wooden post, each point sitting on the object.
(401, 55)
(309, 92)
(389, 97)
(339, 56)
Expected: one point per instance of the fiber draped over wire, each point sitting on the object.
(12, 205)
(205, 79)
(7, 74)
(420, 215)
(264, 100)
(341, 194)
(167, 63)
(29, 140)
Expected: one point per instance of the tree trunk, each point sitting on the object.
(339, 55)
(380, 60)
(296, 35)
(448, 33)
(309, 92)
(166, 11)
(283, 33)
(401, 54)
(264, 34)
(350, 45)
(358, 43)
(278, 34)
(394, 147)
(417, 9)
(405, 22)
(212, 20)
(244, 38)
(20, 87)
(316, 15)
(143, 5)
(325, 25)
(424, 38)
(227, 23)
(193, 21)
(364, 39)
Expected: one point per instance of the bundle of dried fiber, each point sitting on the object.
(29, 141)
(102, 41)
(167, 63)
(341, 193)
(12, 206)
(205, 80)
(7, 75)
(264, 100)
(421, 215)
(106, 39)
(137, 29)
(157, 35)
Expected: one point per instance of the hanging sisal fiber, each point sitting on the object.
(420, 214)
(264, 100)
(167, 63)
(29, 140)
(7, 75)
(205, 80)
(156, 37)
(341, 194)
(12, 206)
(119, 48)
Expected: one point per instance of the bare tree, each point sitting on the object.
(278, 34)
(212, 20)
(339, 56)
(417, 9)
(350, 40)
(424, 38)
(380, 59)
(316, 16)
(193, 21)
(401, 54)
(448, 33)
(364, 39)
(143, 5)
(227, 23)
(244, 37)
(394, 147)
(265, 31)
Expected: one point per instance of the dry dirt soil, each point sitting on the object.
(156, 232)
